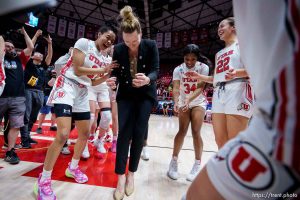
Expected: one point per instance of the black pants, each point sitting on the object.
(133, 124)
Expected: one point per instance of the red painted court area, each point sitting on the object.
(99, 169)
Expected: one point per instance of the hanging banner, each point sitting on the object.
(81, 30)
(175, 39)
(168, 40)
(194, 36)
(159, 40)
(62, 26)
(51, 28)
(90, 33)
(71, 30)
(203, 39)
(185, 37)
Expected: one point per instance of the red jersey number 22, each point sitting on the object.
(222, 65)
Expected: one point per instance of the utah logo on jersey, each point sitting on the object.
(59, 94)
(243, 106)
(250, 167)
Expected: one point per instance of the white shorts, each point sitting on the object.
(70, 92)
(244, 169)
(98, 96)
(235, 99)
(198, 102)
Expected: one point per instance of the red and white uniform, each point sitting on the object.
(2, 76)
(100, 93)
(188, 85)
(71, 89)
(231, 97)
(263, 161)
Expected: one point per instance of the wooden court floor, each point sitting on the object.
(151, 181)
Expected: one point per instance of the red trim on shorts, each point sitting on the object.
(296, 142)
(67, 66)
(282, 112)
(60, 82)
(296, 145)
(2, 75)
(249, 95)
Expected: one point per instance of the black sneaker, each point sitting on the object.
(32, 141)
(53, 128)
(39, 130)
(26, 144)
(11, 157)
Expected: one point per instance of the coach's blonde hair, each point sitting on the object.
(130, 22)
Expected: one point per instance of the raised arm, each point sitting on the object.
(37, 34)
(2, 48)
(29, 44)
(50, 50)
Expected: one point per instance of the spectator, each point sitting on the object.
(49, 74)
(34, 80)
(165, 108)
(12, 99)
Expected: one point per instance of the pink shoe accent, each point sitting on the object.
(114, 146)
(77, 174)
(44, 190)
(92, 138)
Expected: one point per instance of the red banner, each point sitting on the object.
(185, 38)
(175, 39)
(194, 36)
(203, 39)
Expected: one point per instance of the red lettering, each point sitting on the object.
(189, 89)
(92, 76)
(222, 65)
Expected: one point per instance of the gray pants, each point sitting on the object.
(34, 102)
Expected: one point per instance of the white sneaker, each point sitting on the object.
(100, 145)
(65, 151)
(173, 170)
(194, 172)
(108, 136)
(85, 154)
(145, 153)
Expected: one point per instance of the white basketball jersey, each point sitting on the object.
(106, 60)
(226, 59)
(93, 59)
(270, 49)
(188, 85)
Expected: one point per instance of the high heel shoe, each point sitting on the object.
(118, 195)
(129, 187)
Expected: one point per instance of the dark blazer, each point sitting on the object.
(148, 63)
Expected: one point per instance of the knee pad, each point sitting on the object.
(105, 119)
